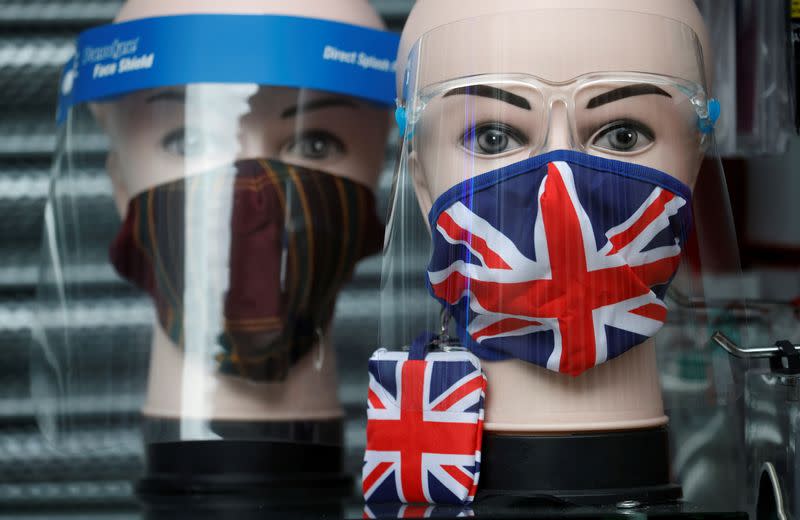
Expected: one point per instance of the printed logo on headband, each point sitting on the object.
(284, 51)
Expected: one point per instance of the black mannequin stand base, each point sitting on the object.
(578, 469)
(247, 461)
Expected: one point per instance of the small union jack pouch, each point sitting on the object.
(424, 426)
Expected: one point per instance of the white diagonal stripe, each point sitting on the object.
(653, 229)
(497, 242)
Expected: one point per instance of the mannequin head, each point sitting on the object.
(581, 38)
(153, 142)
(557, 63)
(429, 14)
(162, 135)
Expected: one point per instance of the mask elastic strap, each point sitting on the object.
(428, 340)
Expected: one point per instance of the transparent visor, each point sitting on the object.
(559, 212)
(197, 238)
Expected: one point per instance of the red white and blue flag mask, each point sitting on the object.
(562, 260)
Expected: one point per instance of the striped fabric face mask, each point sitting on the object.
(261, 250)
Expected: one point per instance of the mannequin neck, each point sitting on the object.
(621, 394)
(187, 387)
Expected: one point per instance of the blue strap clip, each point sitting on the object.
(707, 124)
(401, 117)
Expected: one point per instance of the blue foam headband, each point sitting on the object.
(286, 51)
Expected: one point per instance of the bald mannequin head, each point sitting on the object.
(494, 84)
(161, 135)
(355, 12)
(557, 42)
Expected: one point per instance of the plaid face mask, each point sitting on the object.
(262, 250)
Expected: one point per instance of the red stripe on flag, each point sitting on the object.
(658, 272)
(459, 475)
(652, 311)
(565, 243)
(490, 259)
(374, 401)
(373, 477)
(656, 208)
(462, 392)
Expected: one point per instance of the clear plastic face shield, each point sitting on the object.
(558, 211)
(233, 202)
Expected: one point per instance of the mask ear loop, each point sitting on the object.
(319, 361)
(445, 341)
(444, 321)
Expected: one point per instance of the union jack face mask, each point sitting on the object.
(562, 260)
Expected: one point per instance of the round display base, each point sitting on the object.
(581, 469)
(281, 471)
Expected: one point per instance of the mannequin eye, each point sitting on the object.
(186, 143)
(492, 139)
(316, 145)
(623, 136)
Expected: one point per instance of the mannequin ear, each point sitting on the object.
(114, 170)
(421, 188)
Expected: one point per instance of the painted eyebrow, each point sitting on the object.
(317, 104)
(491, 92)
(640, 89)
(167, 95)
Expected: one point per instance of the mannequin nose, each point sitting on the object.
(559, 135)
(252, 144)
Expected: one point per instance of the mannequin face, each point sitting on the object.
(162, 135)
(557, 100)
(515, 123)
